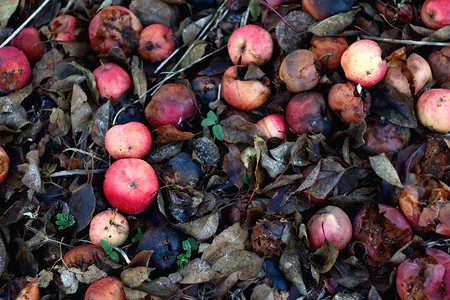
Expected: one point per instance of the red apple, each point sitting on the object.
(330, 48)
(404, 14)
(4, 164)
(107, 288)
(273, 126)
(130, 185)
(330, 223)
(250, 43)
(300, 70)
(306, 113)
(114, 26)
(62, 28)
(112, 81)
(172, 104)
(156, 43)
(362, 63)
(26, 41)
(15, 70)
(433, 110)
(435, 14)
(347, 103)
(244, 94)
(130, 140)
(110, 226)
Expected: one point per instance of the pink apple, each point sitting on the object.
(130, 140)
(273, 126)
(110, 226)
(156, 43)
(112, 81)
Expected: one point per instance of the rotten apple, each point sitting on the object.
(109, 288)
(110, 226)
(114, 26)
(322, 9)
(130, 140)
(242, 93)
(300, 70)
(362, 63)
(307, 113)
(250, 44)
(349, 105)
(330, 50)
(156, 43)
(112, 81)
(439, 61)
(4, 164)
(62, 28)
(15, 70)
(130, 185)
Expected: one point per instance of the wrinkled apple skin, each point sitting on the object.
(424, 276)
(83, 256)
(322, 9)
(435, 14)
(244, 94)
(433, 110)
(114, 26)
(395, 77)
(156, 43)
(248, 44)
(321, 45)
(206, 88)
(381, 137)
(130, 185)
(330, 223)
(15, 70)
(112, 81)
(300, 70)
(130, 140)
(382, 229)
(404, 14)
(348, 106)
(4, 164)
(110, 226)
(26, 40)
(362, 63)
(439, 62)
(426, 207)
(273, 126)
(420, 71)
(172, 104)
(306, 113)
(62, 28)
(109, 288)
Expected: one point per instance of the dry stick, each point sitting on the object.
(86, 153)
(76, 172)
(24, 23)
(407, 42)
(163, 63)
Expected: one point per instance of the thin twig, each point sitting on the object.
(86, 153)
(77, 172)
(406, 42)
(24, 24)
(163, 63)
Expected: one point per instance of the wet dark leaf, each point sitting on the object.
(384, 169)
(202, 228)
(299, 152)
(32, 177)
(161, 287)
(254, 72)
(25, 261)
(141, 259)
(396, 107)
(237, 130)
(205, 151)
(290, 265)
(289, 39)
(350, 272)
(82, 206)
(217, 66)
(3, 256)
(45, 67)
(169, 134)
(191, 31)
(356, 130)
(90, 80)
(329, 175)
(333, 25)
(100, 123)
(66, 84)
(272, 166)
(155, 11)
(195, 54)
(12, 114)
(233, 165)
(166, 151)
(17, 210)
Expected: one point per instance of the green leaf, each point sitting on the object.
(255, 9)
(186, 245)
(218, 132)
(208, 122)
(106, 246)
(114, 257)
(193, 243)
(211, 115)
(245, 179)
(64, 221)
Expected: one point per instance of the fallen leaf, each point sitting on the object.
(325, 257)
(190, 32)
(350, 272)
(384, 169)
(16, 211)
(238, 130)
(7, 9)
(80, 110)
(205, 151)
(161, 287)
(3, 256)
(12, 114)
(197, 271)
(100, 123)
(32, 177)
(290, 265)
(272, 166)
(333, 25)
(247, 263)
(233, 165)
(45, 67)
(66, 84)
(139, 79)
(288, 39)
(232, 238)
(82, 206)
(169, 134)
(195, 54)
(155, 11)
(90, 80)
(202, 228)
(134, 277)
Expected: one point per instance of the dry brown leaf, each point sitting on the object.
(169, 134)
(80, 110)
(202, 228)
(197, 271)
(32, 177)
